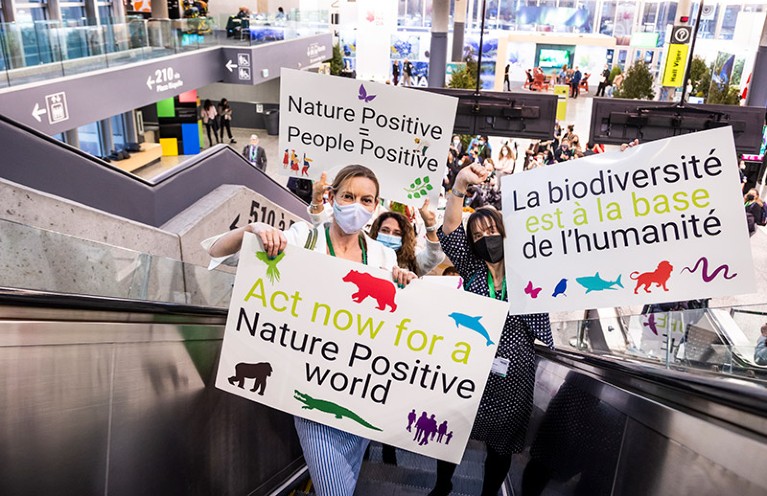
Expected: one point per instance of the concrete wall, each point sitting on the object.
(222, 209)
(45, 211)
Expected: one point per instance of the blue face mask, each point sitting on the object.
(390, 241)
(351, 218)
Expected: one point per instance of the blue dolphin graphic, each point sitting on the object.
(471, 323)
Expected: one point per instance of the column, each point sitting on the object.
(459, 26)
(757, 93)
(440, 15)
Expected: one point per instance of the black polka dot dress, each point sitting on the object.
(507, 402)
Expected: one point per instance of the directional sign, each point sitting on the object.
(230, 65)
(164, 79)
(37, 112)
(56, 106)
(681, 34)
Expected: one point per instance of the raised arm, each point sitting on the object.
(473, 174)
(273, 239)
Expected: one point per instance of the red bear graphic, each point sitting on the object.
(381, 290)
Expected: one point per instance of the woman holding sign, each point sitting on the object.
(334, 457)
(506, 405)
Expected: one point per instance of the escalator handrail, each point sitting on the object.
(741, 396)
(69, 301)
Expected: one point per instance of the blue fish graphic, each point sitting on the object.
(560, 289)
(596, 283)
(471, 323)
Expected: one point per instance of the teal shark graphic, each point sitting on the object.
(596, 283)
(471, 323)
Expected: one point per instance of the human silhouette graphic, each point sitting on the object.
(441, 431)
(410, 419)
(423, 422)
(448, 437)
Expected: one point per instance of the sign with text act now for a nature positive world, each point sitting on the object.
(403, 135)
(347, 348)
(660, 222)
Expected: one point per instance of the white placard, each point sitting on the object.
(402, 134)
(660, 222)
(336, 342)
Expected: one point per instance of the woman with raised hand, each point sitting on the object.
(506, 405)
(334, 457)
(395, 231)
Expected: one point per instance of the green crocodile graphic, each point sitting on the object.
(272, 272)
(330, 407)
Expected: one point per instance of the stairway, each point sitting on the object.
(415, 474)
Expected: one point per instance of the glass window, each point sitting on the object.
(118, 131)
(71, 12)
(31, 12)
(607, 21)
(728, 23)
(105, 13)
(90, 139)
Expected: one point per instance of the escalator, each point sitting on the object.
(114, 396)
(45, 164)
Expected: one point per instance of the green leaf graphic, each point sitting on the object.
(418, 180)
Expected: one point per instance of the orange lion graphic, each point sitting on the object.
(659, 276)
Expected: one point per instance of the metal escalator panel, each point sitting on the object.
(117, 397)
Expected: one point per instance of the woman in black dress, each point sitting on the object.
(507, 402)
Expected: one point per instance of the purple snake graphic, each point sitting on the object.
(704, 271)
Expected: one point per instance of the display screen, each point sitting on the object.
(551, 58)
(762, 150)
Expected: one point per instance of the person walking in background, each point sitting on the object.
(575, 83)
(210, 119)
(395, 72)
(615, 85)
(506, 83)
(225, 113)
(255, 153)
(604, 80)
(407, 72)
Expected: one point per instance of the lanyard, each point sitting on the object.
(491, 287)
(362, 247)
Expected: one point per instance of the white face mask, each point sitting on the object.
(503, 152)
(351, 218)
(456, 142)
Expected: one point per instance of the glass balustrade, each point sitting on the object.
(41, 50)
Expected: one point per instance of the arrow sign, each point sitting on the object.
(149, 82)
(233, 225)
(230, 65)
(37, 112)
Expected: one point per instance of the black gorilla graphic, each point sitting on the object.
(257, 371)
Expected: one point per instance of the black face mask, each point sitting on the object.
(490, 248)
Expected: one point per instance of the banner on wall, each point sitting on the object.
(347, 348)
(660, 222)
(403, 135)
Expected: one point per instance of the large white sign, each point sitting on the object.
(401, 134)
(338, 343)
(660, 222)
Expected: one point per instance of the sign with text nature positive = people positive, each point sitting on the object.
(347, 348)
(659, 222)
(402, 134)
